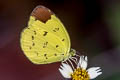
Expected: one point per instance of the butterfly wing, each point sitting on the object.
(45, 42)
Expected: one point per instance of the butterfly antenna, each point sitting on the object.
(77, 55)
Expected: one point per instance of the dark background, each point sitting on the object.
(93, 26)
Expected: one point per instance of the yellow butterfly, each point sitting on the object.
(45, 40)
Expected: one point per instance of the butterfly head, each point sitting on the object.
(69, 55)
(72, 52)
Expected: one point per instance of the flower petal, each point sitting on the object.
(86, 59)
(94, 72)
(79, 63)
(82, 62)
(66, 70)
(67, 67)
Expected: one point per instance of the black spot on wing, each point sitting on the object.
(33, 44)
(45, 33)
(34, 32)
(56, 29)
(57, 46)
(63, 39)
(45, 44)
(28, 28)
(32, 37)
(55, 54)
(45, 55)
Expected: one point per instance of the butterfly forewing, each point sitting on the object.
(45, 42)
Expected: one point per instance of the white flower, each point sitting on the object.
(80, 73)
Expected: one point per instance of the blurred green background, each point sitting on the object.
(93, 26)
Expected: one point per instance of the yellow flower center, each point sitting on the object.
(80, 74)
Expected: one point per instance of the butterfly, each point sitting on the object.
(45, 39)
